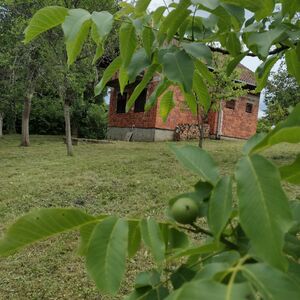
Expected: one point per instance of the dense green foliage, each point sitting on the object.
(282, 93)
(281, 88)
(47, 57)
(222, 85)
(251, 246)
(89, 118)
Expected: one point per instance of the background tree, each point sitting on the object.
(4, 103)
(22, 65)
(7, 67)
(48, 69)
(282, 92)
(31, 67)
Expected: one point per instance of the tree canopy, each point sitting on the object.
(47, 56)
(282, 93)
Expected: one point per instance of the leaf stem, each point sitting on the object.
(234, 270)
(222, 238)
(204, 259)
(167, 7)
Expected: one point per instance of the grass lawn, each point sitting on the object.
(135, 179)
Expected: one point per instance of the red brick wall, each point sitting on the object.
(237, 122)
(131, 119)
(180, 114)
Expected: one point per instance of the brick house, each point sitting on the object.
(237, 119)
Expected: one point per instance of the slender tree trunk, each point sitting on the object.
(25, 120)
(68, 128)
(1, 124)
(63, 96)
(219, 122)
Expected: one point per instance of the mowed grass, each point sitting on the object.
(126, 179)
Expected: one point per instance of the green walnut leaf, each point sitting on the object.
(43, 20)
(76, 29)
(208, 289)
(166, 105)
(108, 74)
(263, 208)
(198, 161)
(220, 206)
(128, 43)
(261, 42)
(153, 238)
(286, 131)
(291, 173)
(41, 224)
(201, 91)
(199, 51)
(271, 283)
(103, 21)
(141, 86)
(179, 68)
(106, 254)
(293, 63)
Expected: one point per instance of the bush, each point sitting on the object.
(47, 117)
(263, 125)
(94, 126)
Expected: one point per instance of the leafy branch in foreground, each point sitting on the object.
(248, 247)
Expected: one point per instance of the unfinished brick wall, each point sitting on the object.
(180, 114)
(237, 122)
(131, 119)
(151, 119)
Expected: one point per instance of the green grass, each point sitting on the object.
(135, 179)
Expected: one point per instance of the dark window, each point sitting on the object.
(121, 103)
(249, 107)
(230, 104)
(139, 105)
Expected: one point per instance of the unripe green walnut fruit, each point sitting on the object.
(184, 211)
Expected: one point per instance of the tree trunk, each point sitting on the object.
(63, 96)
(219, 122)
(1, 124)
(25, 120)
(68, 128)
